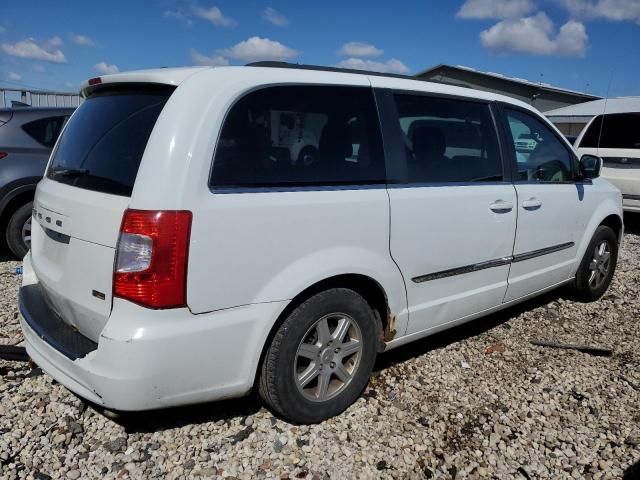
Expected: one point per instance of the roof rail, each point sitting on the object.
(298, 66)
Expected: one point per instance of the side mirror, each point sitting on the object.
(590, 167)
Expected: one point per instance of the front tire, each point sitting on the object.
(321, 357)
(18, 233)
(598, 265)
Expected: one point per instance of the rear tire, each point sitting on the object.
(18, 227)
(598, 266)
(321, 357)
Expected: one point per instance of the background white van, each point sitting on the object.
(615, 137)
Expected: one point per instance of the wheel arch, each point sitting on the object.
(608, 213)
(370, 289)
(14, 199)
(616, 223)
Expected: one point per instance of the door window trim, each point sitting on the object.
(394, 148)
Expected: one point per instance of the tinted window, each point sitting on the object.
(448, 140)
(621, 130)
(45, 130)
(286, 136)
(591, 137)
(539, 153)
(102, 146)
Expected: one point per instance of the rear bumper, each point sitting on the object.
(148, 359)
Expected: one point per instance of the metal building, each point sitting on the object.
(38, 98)
(540, 95)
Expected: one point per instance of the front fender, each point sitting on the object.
(605, 209)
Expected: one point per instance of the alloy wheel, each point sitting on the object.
(26, 233)
(600, 265)
(328, 357)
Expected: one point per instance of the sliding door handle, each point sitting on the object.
(531, 204)
(500, 206)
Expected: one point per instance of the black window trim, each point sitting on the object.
(510, 147)
(397, 170)
(297, 186)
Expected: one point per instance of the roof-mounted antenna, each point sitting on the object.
(604, 110)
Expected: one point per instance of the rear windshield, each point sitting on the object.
(101, 147)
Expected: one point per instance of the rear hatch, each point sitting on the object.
(80, 203)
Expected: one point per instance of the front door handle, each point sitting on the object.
(532, 204)
(501, 206)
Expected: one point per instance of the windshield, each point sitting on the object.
(101, 147)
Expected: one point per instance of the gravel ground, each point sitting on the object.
(440, 408)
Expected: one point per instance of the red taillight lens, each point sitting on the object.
(152, 256)
(95, 81)
(3, 154)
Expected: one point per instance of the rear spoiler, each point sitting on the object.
(161, 76)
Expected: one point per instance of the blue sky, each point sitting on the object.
(576, 44)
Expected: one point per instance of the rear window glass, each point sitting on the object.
(45, 130)
(103, 143)
(300, 135)
(620, 130)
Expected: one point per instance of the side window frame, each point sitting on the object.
(510, 147)
(394, 147)
(293, 187)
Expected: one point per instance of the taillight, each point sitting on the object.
(151, 258)
(3, 154)
(95, 81)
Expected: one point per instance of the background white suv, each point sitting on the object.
(177, 257)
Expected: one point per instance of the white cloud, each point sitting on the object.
(274, 17)
(535, 35)
(481, 9)
(392, 65)
(14, 76)
(215, 16)
(82, 40)
(29, 48)
(213, 61)
(613, 10)
(360, 49)
(54, 42)
(105, 69)
(257, 48)
(179, 15)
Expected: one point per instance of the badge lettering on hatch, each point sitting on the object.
(98, 294)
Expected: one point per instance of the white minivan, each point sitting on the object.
(615, 137)
(178, 256)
